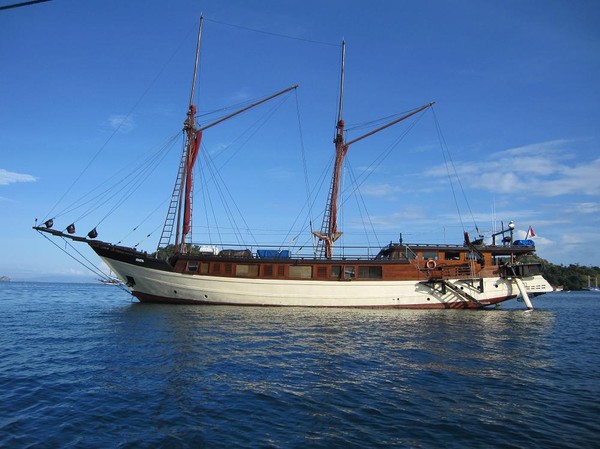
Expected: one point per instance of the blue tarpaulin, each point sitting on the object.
(273, 253)
(524, 243)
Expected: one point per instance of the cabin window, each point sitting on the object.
(409, 254)
(281, 270)
(433, 255)
(228, 268)
(369, 272)
(451, 255)
(204, 268)
(336, 271)
(192, 267)
(399, 255)
(349, 272)
(216, 268)
(244, 270)
(321, 272)
(268, 270)
(301, 271)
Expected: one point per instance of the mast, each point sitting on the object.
(341, 105)
(329, 233)
(179, 215)
(188, 159)
(196, 60)
(329, 230)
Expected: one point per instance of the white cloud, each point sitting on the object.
(280, 173)
(583, 208)
(392, 221)
(379, 190)
(7, 177)
(240, 95)
(582, 179)
(121, 123)
(544, 169)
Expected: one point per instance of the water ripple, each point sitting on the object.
(82, 366)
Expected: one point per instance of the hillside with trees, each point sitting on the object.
(571, 277)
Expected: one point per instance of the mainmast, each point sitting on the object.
(329, 230)
(329, 233)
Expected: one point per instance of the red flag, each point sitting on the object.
(530, 232)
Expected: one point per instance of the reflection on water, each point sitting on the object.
(84, 366)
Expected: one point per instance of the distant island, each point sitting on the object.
(4, 279)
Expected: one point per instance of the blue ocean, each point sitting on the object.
(85, 365)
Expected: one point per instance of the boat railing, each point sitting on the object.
(448, 271)
(265, 251)
(355, 252)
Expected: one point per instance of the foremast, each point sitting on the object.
(329, 230)
(179, 215)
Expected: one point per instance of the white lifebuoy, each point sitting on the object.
(431, 264)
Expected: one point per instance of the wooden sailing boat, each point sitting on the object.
(399, 275)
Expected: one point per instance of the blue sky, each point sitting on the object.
(515, 83)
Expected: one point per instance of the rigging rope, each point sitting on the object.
(362, 178)
(135, 228)
(118, 128)
(445, 150)
(269, 33)
(91, 267)
(138, 174)
(221, 188)
(216, 179)
(307, 204)
(377, 122)
(303, 153)
(359, 195)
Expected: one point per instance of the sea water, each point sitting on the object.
(85, 365)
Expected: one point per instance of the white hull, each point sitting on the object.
(165, 286)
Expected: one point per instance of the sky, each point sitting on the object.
(89, 90)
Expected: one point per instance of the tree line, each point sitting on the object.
(571, 277)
